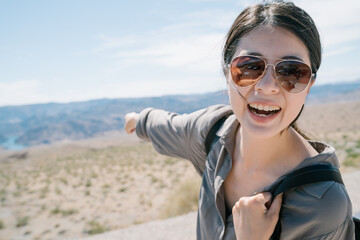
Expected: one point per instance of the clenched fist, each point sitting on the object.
(130, 122)
(253, 219)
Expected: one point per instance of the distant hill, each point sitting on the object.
(46, 123)
(339, 92)
(2, 138)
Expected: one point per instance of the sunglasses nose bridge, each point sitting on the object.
(273, 68)
(268, 83)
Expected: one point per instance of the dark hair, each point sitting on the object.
(276, 14)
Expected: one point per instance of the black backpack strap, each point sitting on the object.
(307, 175)
(303, 176)
(211, 136)
(357, 228)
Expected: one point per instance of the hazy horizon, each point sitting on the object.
(77, 51)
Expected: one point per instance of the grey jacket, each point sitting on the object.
(315, 211)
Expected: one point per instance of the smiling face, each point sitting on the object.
(266, 96)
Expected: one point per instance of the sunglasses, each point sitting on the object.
(292, 75)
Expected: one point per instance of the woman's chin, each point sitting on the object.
(264, 131)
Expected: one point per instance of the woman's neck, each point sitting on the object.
(277, 154)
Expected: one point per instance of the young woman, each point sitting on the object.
(270, 59)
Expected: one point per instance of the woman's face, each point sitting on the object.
(271, 43)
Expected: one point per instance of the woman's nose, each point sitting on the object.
(267, 83)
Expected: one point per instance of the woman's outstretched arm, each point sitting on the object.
(177, 135)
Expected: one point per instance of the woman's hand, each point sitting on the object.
(252, 219)
(130, 122)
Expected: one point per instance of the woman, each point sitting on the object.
(270, 60)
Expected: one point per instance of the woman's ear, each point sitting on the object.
(313, 78)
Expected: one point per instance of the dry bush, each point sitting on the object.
(22, 221)
(353, 158)
(183, 199)
(95, 227)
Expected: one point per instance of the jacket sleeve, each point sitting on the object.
(320, 211)
(178, 135)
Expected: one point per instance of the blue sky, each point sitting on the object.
(63, 51)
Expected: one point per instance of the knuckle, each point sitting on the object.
(258, 199)
(234, 209)
(237, 206)
(244, 201)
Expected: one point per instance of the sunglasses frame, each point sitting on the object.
(312, 76)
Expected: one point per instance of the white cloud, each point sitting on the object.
(338, 51)
(192, 53)
(159, 87)
(194, 44)
(32, 91)
(21, 92)
(331, 74)
(338, 21)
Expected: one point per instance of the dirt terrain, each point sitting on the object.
(76, 189)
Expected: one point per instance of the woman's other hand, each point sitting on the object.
(252, 219)
(130, 122)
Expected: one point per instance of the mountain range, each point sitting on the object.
(46, 123)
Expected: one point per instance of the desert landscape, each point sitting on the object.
(77, 189)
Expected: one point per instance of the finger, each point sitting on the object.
(129, 115)
(129, 130)
(263, 197)
(236, 208)
(275, 206)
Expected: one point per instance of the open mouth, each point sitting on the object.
(262, 110)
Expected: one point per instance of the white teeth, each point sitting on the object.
(264, 108)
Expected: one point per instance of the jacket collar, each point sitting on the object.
(326, 155)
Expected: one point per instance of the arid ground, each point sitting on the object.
(75, 189)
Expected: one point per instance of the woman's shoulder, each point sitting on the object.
(205, 118)
(329, 199)
(316, 209)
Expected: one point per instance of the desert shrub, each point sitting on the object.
(58, 191)
(95, 228)
(17, 194)
(68, 212)
(23, 221)
(64, 213)
(358, 144)
(88, 183)
(352, 159)
(183, 199)
(154, 179)
(64, 181)
(3, 193)
(171, 161)
(55, 210)
(2, 225)
(44, 191)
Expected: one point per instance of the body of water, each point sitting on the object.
(10, 144)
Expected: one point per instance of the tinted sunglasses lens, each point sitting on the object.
(293, 76)
(246, 70)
